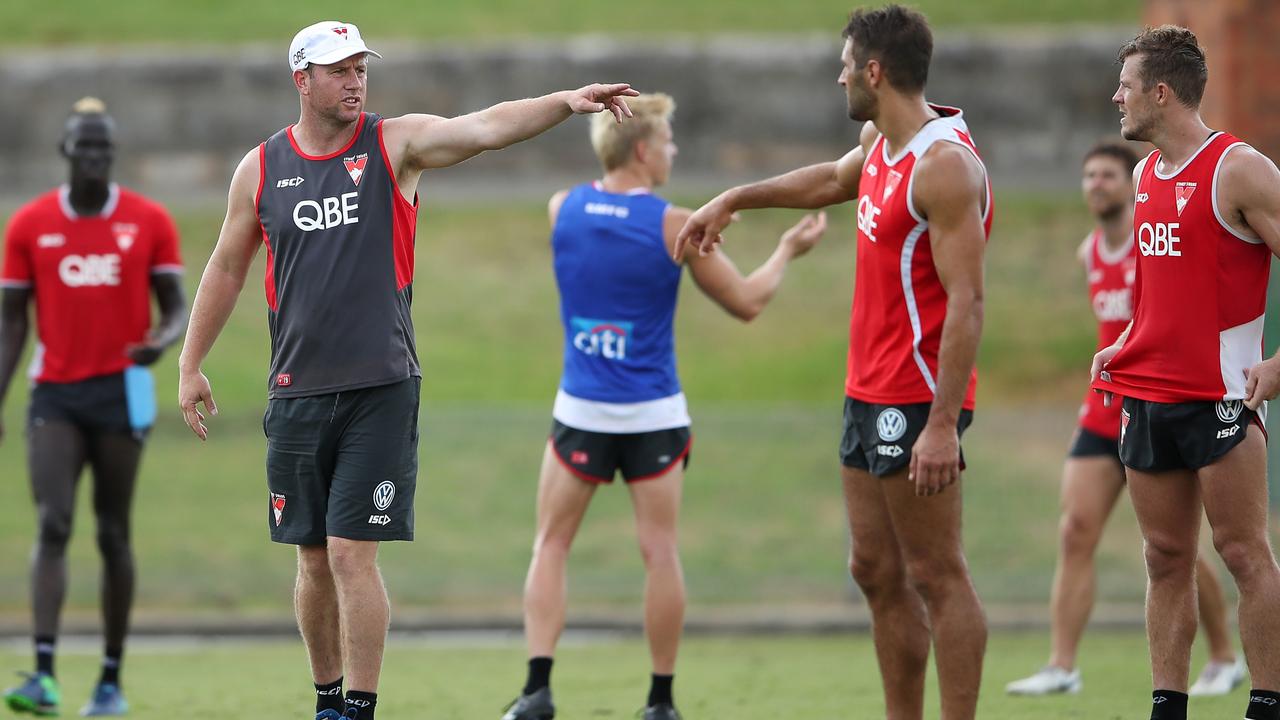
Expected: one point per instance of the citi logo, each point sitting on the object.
(601, 338)
(290, 182)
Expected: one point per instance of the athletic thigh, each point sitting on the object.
(1168, 508)
(56, 454)
(1090, 488)
(115, 458)
(562, 500)
(928, 529)
(873, 544)
(656, 501)
(1234, 492)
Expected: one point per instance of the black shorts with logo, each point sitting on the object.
(878, 438)
(343, 464)
(1087, 443)
(102, 404)
(596, 457)
(1155, 437)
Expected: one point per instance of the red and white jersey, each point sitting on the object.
(899, 304)
(1111, 276)
(1200, 293)
(90, 277)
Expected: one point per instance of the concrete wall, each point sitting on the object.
(748, 106)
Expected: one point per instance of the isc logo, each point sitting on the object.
(1159, 239)
(330, 212)
(90, 270)
(867, 214)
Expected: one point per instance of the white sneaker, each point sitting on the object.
(1049, 681)
(1219, 678)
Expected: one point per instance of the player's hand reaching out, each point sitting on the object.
(598, 98)
(804, 235)
(703, 228)
(1262, 383)
(1100, 361)
(193, 388)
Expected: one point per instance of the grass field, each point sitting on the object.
(799, 678)
(763, 521)
(29, 22)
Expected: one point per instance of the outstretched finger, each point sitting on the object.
(626, 109)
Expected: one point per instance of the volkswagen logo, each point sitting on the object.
(384, 494)
(891, 425)
(1229, 410)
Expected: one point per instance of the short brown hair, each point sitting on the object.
(896, 36)
(1170, 55)
(1116, 150)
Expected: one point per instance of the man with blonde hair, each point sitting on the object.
(620, 406)
(334, 200)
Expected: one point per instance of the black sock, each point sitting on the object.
(44, 653)
(362, 703)
(111, 666)
(539, 675)
(660, 690)
(1168, 705)
(1263, 705)
(329, 697)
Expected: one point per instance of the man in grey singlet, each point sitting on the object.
(334, 200)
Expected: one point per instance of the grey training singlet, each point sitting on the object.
(339, 239)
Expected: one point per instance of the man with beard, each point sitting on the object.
(1190, 365)
(924, 214)
(89, 254)
(334, 199)
(1092, 477)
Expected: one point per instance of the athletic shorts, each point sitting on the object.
(596, 457)
(878, 438)
(122, 402)
(343, 464)
(1087, 443)
(1155, 437)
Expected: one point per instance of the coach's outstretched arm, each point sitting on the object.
(808, 188)
(219, 289)
(419, 142)
(13, 336)
(950, 189)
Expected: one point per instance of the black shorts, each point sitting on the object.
(343, 464)
(1155, 437)
(103, 404)
(596, 457)
(1087, 444)
(878, 438)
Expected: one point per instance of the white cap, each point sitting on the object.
(325, 43)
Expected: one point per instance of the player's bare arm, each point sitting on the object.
(1249, 197)
(220, 286)
(420, 142)
(809, 188)
(172, 301)
(13, 337)
(719, 278)
(950, 191)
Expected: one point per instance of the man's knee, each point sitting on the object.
(938, 575)
(54, 531)
(875, 573)
(313, 561)
(1169, 558)
(1246, 559)
(1078, 535)
(351, 558)
(658, 548)
(113, 539)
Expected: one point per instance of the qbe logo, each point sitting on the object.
(891, 425)
(1159, 239)
(1113, 305)
(330, 212)
(867, 214)
(90, 270)
(601, 338)
(384, 495)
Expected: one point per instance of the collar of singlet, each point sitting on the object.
(109, 207)
(599, 186)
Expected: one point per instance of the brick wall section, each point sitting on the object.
(1240, 41)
